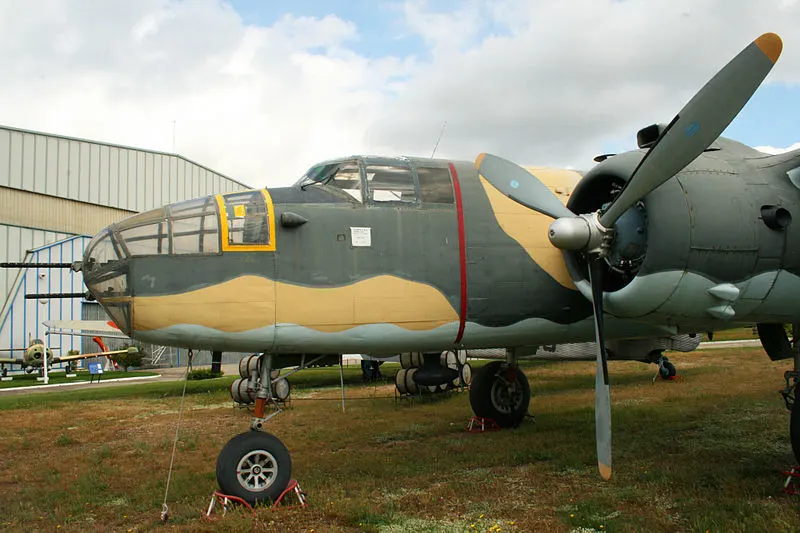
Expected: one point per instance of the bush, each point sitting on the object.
(129, 359)
(204, 373)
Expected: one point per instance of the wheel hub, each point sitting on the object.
(257, 470)
(506, 396)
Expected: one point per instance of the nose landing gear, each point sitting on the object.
(256, 466)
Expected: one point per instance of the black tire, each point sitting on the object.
(496, 395)
(254, 449)
(794, 425)
(668, 370)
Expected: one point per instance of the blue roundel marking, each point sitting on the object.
(514, 184)
(692, 129)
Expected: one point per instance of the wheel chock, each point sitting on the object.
(292, 487)
(226, 501)
(790, 485)
(479, 424)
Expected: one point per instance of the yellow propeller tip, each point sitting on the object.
(771, 45)
(605, 471)
(479, 161)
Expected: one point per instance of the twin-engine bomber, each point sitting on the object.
(689, 233)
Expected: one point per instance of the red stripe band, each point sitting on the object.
(462, 253)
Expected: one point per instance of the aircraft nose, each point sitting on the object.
(181, 229)
(105, 273)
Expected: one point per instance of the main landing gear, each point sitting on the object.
(790, 395)
(255, 465)
(500, 391)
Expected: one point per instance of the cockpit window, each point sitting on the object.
(195, 235)
(435, 185)
(191, 208)
(343, 177)
(150, 239)
(317, 174)
(391, 183)
(347, 179)
(101, 250)
(246, 219)
(194, 226)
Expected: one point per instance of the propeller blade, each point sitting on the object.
(602, 392)
(699, 123)
(520, 185)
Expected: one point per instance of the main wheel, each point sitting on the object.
(667, 369)
(501, 392)
(254, 466)
(794, 425)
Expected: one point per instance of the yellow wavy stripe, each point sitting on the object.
(529, 228)
(251, 302)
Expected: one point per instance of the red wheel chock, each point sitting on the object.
(226, 501)
(479, 424)
(292, 487)
(790, 485)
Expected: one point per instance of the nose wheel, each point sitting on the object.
(500, 391)
(254, 466)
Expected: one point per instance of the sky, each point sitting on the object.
(261, 90)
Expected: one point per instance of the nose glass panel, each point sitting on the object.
(105, 274)
(101, 251)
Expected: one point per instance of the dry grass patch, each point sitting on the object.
(703, 454)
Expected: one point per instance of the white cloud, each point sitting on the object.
(544, 82)
(772, 150)
(553, 82)
(259, 104)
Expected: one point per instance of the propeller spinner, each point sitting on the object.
(692, 130)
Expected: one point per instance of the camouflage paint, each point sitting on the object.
(318, 292)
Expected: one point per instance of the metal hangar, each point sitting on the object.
(55, 193)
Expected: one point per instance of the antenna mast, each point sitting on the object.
(441, 132)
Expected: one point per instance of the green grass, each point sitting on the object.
(736, 334)
(29, 380)
(704, 454)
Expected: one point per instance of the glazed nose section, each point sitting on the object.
(105, 273)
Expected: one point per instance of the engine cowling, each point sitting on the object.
(707, 244)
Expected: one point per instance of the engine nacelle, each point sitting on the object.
(709, 244)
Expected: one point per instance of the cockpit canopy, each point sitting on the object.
(375, 180)
(200, 226)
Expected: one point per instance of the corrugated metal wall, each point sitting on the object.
(67, 170)
(104, 174)
(22, 319)
(14, 242)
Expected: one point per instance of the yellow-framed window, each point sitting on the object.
(247, 221)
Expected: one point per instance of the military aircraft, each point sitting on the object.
(36, 354)
(378, 255)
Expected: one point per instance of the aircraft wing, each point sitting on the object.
(90, 355)
(11, 361)
(100, 326)
(105, 328)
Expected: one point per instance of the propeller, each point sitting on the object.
(516, 183)
(692, 130)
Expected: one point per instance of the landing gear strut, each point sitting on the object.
(256, 465)
(790, 393)
(500, 391)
